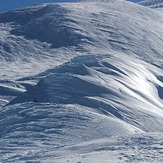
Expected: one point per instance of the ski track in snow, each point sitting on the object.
(81, 82)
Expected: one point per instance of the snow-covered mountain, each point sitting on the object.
(152, 3)
(81, 82)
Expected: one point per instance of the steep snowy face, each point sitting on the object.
(152, 3)
(76, 72)
(104, 82)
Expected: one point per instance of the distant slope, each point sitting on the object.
(152, 3)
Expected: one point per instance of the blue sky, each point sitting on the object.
(6, 5)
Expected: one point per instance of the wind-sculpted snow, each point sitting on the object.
(47, 24)
(104, 82)
(81, 82)
(47, 35)
(41, 127)
(152, 3)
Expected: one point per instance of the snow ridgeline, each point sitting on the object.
(152, 3)
(81, 83)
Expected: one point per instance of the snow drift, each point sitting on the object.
(152, 3)
(81, 81)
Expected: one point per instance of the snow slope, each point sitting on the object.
(152, 3)
(81, 82)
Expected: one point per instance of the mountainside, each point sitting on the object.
(81, 82)
(152, 3)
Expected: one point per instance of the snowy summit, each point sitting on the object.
(81, 82)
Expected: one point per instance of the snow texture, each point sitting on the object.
(81, 82)
(152, 3)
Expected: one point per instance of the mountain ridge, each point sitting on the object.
(152, 3)
(81, 81)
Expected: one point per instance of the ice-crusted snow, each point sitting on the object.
(81, 82)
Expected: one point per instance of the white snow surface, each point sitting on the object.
(81, 82)
(152, 3)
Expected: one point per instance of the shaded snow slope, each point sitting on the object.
(152, 3)
(40, 128)
(81, 82)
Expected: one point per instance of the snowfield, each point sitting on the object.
(158, 4)
(81, 82)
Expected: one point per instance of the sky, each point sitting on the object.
(6, 5)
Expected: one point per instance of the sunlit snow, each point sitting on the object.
(81, 82)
